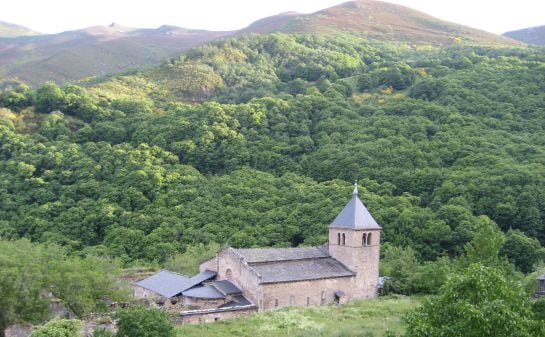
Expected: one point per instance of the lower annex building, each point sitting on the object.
(239, 281)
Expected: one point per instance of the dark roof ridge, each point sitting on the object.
(311, 279)
(265, 254)
(288, 260)
(297, 270)
(173, 272)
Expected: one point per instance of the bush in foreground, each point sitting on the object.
(143, 322)
(60, 328)
(479, 303)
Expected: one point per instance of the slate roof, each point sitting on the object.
(201, 277)
(354, 215)
(238, 301)
(165, 283)
(300, 270)
(207, 292)
(226, 287)
(260, 255)
(214, 290)
(170, 284)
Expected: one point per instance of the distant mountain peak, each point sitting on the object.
(111, 29)
(12, 30)
(170, 30)
(531, 35)
(289, 13)
(378, 20)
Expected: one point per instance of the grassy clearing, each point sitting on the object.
(371, 318)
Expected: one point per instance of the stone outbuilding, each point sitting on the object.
(173, 291)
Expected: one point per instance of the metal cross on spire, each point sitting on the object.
(356, 192)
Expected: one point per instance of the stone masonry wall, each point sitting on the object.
(200, 303)
(206, 317)
(305, 293)
(211, 264)
(232, 268)
(360, 258)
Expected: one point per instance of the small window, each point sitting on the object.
(216, 319)
(276, 302)
(292, 300)
(338, 239)
(229, 274)
(323, 298)
(308, 301)
(343, 240)
(366, 239)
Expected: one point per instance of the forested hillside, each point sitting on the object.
(256, 141)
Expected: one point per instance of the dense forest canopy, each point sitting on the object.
(255, 141)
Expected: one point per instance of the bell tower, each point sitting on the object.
(354, 240)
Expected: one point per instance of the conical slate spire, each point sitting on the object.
(354, 215)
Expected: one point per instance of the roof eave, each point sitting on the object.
(158, 293)
(308, 279)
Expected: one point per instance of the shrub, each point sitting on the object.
(143, 322)
(60, 328)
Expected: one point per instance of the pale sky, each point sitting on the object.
(53, 16)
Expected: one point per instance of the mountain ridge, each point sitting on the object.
(102, 50)
(92, 51)
(385, 21)
(8, 29)
(531, 35)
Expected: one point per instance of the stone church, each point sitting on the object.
(258, 279)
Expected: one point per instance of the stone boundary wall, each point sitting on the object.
(213, 315)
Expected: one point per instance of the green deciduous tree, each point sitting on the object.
(49, 97)
(86, 285)
(188, 262)
(144, 322)
(16, 98)
(479, 303)
(486, 244)
(524, 252)
(399, 264)
(23, 279)
(31, 273)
